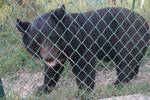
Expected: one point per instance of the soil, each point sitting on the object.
(24, 84)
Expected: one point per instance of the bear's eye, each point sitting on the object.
(26, 39)
(54, 39)
(34, 46)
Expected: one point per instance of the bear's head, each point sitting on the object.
(43, 37)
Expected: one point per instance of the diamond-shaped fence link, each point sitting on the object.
(74, 49)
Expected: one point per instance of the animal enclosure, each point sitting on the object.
(74, 49)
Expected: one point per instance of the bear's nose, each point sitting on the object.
(49, 59)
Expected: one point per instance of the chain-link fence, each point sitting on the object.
(74, 49)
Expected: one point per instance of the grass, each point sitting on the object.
(13, 56)
(103, 91)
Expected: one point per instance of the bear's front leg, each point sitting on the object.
(51, 77)
(84, 71)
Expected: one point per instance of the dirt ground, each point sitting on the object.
(23, 83)
(129, 97)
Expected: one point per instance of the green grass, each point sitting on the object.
(128, 89)
(102, 91)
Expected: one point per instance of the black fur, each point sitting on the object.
(116, 34)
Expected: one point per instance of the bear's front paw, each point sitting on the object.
(43, 89)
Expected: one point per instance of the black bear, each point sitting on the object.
(111, 33)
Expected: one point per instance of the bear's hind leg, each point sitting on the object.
(84, 70)
(127, 68)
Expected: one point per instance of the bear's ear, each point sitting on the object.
(22, 26)
(60, 12)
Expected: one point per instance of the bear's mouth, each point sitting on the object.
(53, 62)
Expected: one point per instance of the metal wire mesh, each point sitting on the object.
(79, 49)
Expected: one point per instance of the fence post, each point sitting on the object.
(2, 93)
(133, 4)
